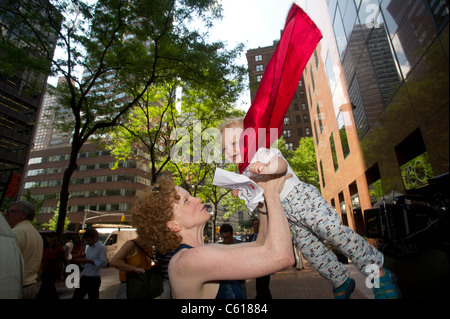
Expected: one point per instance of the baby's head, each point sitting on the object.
(231, 131)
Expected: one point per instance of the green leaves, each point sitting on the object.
(125, 49)
(303, 162)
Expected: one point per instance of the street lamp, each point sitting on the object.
(86, 211)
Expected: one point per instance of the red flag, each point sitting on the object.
(279, 83)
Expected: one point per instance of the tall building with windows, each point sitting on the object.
(20, 99)
(97, 192)
(297, 122)
(47, 135)
(379, 101)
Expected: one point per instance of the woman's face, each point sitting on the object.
(189, 211)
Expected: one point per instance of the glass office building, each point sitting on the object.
(379, 99)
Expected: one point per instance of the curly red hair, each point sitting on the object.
(151, 212)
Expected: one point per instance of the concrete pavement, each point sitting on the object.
(287, 284)
(308, 284)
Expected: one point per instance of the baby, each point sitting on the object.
(313, 221)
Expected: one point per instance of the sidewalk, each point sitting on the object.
(108, 287)
(287, 284)
(308, 284)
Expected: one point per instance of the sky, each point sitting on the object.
(255, 23)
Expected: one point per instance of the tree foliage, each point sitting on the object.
(124, 47)
(303, 161)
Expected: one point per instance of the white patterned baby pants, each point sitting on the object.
(313, 221)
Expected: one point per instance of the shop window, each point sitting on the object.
(413, 160)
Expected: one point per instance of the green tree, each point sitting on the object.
(53, 222)
(303, 161)
(124, 47)
(156, 125)
(147, 128)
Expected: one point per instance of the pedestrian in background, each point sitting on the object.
(68, 248)
(11, 263)
(262, 283)
(53, 261)
(226, 231)
(130, 258)
(95, 259)
(31, 244)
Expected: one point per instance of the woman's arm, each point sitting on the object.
(212, 263)
(118, 261)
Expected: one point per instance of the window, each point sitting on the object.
(333, 153)
(330, 73)
(339, 33)
(343, 209)
(316, 59)
(259, 78)
(321, 174)
(258, 57)
(112, 192)
(259, 68)
(384, 63)
(343, 134)
(349, 15)
(287, 120)
(412, 157)
(317, 135)
(440, 11)
(359, 113)
(319, 117)
(287, 133)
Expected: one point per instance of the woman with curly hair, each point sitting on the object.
(170, 219)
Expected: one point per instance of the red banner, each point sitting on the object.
(279, 83)
(13, 185)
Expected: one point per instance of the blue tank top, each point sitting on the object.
(228, 289)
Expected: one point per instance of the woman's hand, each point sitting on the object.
(272, 183)
(139, 271)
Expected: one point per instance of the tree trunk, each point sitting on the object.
(64, 194)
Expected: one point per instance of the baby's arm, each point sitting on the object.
(276, 165)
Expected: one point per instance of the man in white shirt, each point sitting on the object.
(30, 243)
(95, 259)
